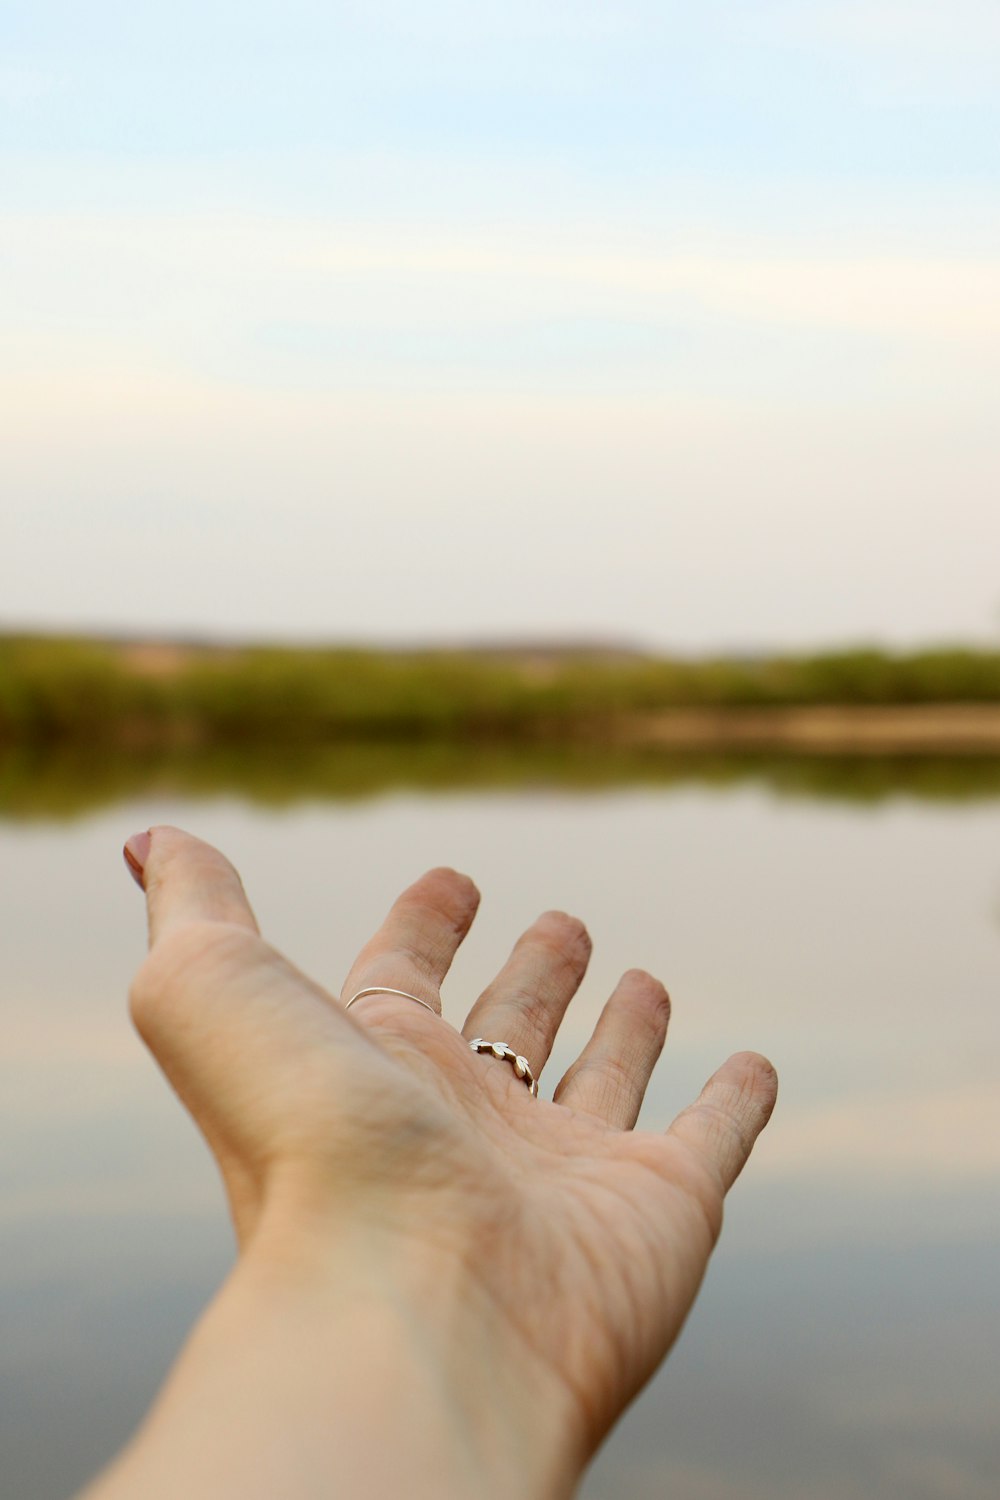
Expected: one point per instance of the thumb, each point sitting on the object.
(236, 1028)
(185, 880)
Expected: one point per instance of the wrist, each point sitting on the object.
(410, 1346)
(329, 1366)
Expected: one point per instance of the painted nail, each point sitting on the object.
(136, 852)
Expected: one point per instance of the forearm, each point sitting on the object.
(314, 1387)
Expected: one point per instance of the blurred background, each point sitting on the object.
(557, 440)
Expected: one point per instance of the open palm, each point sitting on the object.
(580, 1238)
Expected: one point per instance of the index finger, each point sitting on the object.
(185, 880)
(414, 947)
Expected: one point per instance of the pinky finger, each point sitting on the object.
(728, 1115)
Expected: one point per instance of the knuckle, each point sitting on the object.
(448, 893)
(152, 986)
(653, 994)
(725, 1132)
(564, 936)
(760, 1076)
(525, 1013)
(698, 1174)
(709, 1196)
(613, 1075)
(143, 995)
(405, 967)
(420, 951)
(177, 964)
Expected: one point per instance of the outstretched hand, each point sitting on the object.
(547, 1239)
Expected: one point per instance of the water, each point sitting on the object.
(844, 1344)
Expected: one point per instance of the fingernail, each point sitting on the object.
(136, 852)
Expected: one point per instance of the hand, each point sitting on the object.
(539, 1257)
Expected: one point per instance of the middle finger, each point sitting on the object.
(526, 1002)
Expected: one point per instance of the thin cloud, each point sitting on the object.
(245, 269)
(950, 1135)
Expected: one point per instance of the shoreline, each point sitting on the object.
(925, 729)
(156, 695)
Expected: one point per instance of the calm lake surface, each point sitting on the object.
(845, 1345)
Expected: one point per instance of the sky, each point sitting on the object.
(667, 325)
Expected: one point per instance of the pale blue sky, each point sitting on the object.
(676, 324)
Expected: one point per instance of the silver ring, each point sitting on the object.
(506, 1053)
(381, 989)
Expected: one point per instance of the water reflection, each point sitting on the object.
(845, 1340)
(38, 783)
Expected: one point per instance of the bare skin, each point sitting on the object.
(444, 1286)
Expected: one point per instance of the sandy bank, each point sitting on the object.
(920, 729)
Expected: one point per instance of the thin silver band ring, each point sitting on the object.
(381, 989)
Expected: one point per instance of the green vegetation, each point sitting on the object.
(63, 691)
(87, 723)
